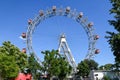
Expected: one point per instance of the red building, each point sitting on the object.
(22, 76)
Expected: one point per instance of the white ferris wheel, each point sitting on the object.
(67, 12)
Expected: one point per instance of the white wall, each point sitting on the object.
(99, 75)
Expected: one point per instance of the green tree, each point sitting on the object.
(85, 66)
(8, 67)
(91, 64)
(65, 68)
(51, 63)
(106, 77)
(12, 60)
(101, 67)
(106, 67)
(115, 10)
(114, 37)
(83, 69)
(55, 64)
(33, 67)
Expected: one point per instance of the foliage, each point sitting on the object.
(91, 64)
(34, 67)
(12, 60)
(115, 10)
(114, 37)
(8, 67)
(85, 66)
(65, 68)
(55, 64)
(83, 69)
(50, 63)
(115, 79)
(106, 67)
(106, 78)
(101, 67)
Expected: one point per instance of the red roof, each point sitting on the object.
(22, 76)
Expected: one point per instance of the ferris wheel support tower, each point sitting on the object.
(64, 48)
(69, 13)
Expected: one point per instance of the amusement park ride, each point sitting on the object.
(63, 46)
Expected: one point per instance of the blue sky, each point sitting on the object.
(14, 15)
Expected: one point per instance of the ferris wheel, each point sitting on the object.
(67, 12)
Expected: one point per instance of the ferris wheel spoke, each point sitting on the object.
(67, 12)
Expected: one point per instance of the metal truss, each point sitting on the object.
(64, 48)
(67, 12)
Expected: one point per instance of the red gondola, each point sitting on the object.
(97, 51)
(90, 24)
(29, 21)
(68, 9)
(23, 35)
(24, 50)
(96, 37)
(80, 15)
(41, 13)
(54, 8)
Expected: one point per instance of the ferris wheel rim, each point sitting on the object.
(67, 12)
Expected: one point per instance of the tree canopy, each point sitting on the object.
(55, 64)
(91, 64)
(33, 66)
(114, 37)
(85, 66)
(12, 60)
(8, 67)
(106, 67)
(83, 69)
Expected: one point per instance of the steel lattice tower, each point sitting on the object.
(64, 48)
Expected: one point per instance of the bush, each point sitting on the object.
(115, 79)
(106, 78)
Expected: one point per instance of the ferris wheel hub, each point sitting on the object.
(67, 12)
